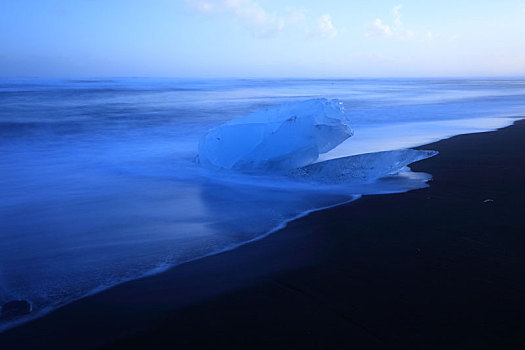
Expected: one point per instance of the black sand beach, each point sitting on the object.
(437, 268)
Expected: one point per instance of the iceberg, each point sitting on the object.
(361, 168)
(277, 138)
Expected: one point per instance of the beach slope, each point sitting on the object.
(437, 268)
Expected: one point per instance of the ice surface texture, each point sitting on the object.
(277, 138)
(361, 168)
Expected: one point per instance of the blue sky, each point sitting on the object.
(261, 38)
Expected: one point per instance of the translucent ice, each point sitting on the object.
(361, 168)
(278, 138)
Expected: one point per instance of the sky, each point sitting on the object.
(261, 38)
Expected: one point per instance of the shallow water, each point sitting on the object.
(98, 180)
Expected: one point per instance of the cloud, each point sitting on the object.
(378, 29)
(262, 23)
(249, 12)
(325, 27)
(202, 6)
(295, 15)
(397, 15)
(397, 30)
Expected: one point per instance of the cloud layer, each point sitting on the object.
(397, 30)
(262, 23)
(326, 27)
(248, 12)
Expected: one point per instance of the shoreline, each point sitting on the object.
(489, 125)
(159, 296)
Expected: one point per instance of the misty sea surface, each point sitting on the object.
(99, 182)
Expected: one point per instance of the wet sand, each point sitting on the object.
(437, 268)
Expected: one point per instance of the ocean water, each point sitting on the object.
(99, 182)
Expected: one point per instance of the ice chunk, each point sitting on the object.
(362, 167)
(282, 137)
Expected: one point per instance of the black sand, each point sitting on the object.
(438, 268)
